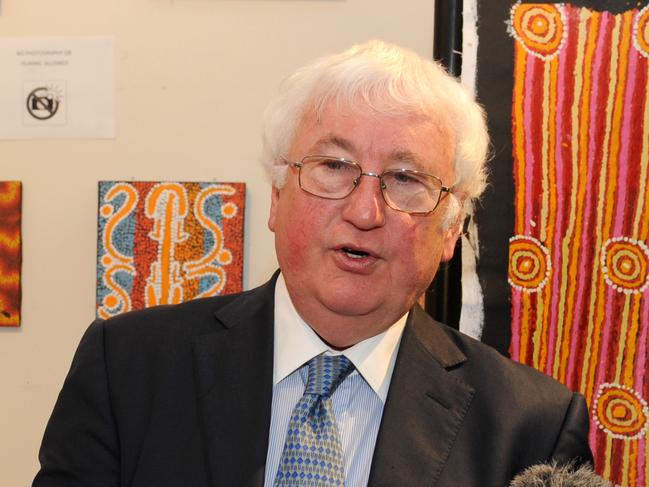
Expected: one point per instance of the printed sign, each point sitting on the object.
(57, 88)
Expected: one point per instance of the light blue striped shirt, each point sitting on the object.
(357, 402)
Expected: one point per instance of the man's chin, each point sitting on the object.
(354, 305)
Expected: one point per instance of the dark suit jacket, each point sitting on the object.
(181, 396)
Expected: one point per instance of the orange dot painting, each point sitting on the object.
(167, 242)
(10, 252)
(579, 255)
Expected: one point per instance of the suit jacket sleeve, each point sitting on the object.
(80, 444)
(572, 443)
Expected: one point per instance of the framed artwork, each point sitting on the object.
(564, 228)
(10, 252)
(167, 242)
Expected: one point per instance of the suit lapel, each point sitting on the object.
(234, 375)
(424, 409)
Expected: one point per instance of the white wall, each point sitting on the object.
(193, 77)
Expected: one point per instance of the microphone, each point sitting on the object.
(553, 475)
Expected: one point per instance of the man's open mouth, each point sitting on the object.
(355, 253)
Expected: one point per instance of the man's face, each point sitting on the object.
(354, 266)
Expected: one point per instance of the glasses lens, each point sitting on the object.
(328, 177)
(411, 191)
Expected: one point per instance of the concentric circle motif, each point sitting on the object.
(229, 210)
(641, 31)
(540, 28)
(529, 263)
(620, 411)
(625, 264)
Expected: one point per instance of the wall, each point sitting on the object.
(192, 79)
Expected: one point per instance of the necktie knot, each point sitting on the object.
(326, 372)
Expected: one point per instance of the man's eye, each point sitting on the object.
(333, 165)
(404, 178)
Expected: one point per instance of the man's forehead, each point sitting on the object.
(359, 116)
(417, 138)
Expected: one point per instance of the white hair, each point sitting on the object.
(391, 81)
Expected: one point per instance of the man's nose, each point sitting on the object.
(365, 207)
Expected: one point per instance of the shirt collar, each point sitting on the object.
(296, 343)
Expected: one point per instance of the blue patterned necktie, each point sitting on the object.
(313, 454)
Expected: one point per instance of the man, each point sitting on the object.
(329, 374)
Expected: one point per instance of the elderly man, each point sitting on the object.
(329, 374)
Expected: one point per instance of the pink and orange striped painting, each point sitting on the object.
(167, 242)
(579, 259)
(10, 252)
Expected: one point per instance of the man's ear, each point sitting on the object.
(274, 198)
(450, 238)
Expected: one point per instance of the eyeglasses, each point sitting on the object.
(406, 190)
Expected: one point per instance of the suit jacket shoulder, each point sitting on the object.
(459, 413)
(172, 395)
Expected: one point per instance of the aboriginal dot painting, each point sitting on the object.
(10, 252)
(167, 242)
(579, 252)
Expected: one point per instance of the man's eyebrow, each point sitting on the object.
(407, 156)
(337, 141)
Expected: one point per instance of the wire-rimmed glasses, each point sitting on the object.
(405, 190)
